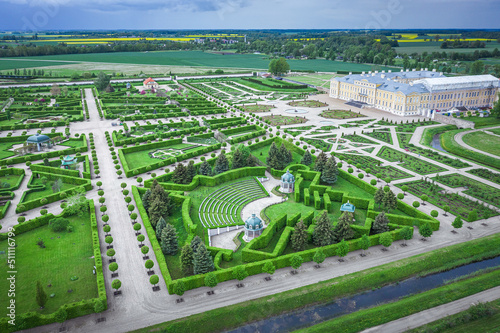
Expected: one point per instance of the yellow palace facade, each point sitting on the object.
(410, 93)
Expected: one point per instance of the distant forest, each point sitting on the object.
(354, 46)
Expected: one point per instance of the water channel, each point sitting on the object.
(436, 142)
(312, 315)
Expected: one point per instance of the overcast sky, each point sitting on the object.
(247, 14)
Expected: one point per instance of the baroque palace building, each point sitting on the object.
(409, 93)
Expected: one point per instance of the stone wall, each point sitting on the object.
(460, 123)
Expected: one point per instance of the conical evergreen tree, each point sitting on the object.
(41, 296)
(205, 169)
(221, 164)
(238, 160)
(379, 196)
(145, 199)
(272, 154)
(380, 224)
(284, 157)
(342, 229)
(299, 236)
(169, 244)
(250, 161)
(323, 231)
(156, 211)
(190, 172)
(202, 260)
(159, 227)
(330, 171)
(390, 201)
(187, 259)
(180, 175)
(307, 158)
(195, 243)
(320, 162)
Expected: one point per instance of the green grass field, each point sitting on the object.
(12, 63)
(10, 179)
(482, 141)
(65, 255)
(188, 58)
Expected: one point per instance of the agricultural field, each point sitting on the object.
(192, 59)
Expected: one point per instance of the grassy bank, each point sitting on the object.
(484, 317)
(449, 144)
(364, 319)
(326, 291)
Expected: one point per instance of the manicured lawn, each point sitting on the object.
(141, 158)
(262, 152)
(73, 143)
(482, 141)
(47, 191)
(275, 120)
(340, 114)
(65, 255)
(10, 179)
(4, 149)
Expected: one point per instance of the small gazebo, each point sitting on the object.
(39, 139)
(68, 161)
(287, 182)
(253, 228)
(347, 207)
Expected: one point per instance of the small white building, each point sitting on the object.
(149, 84)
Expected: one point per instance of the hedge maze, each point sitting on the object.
(222, 207)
